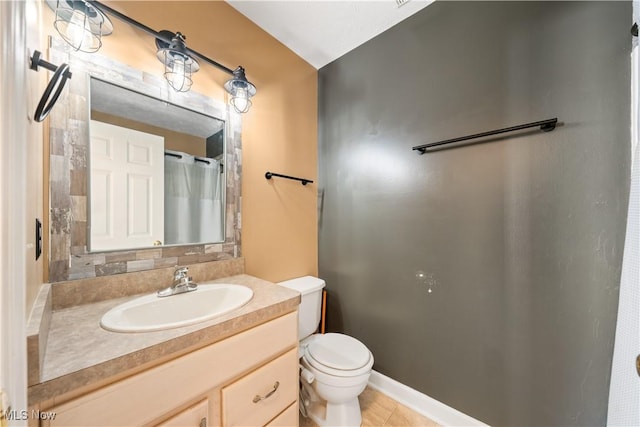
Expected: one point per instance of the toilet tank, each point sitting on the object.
(310, 289)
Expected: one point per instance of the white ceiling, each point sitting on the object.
(321, 31)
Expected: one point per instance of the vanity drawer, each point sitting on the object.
(288, 418)
(258, 397)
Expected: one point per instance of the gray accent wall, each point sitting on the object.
(518, 239)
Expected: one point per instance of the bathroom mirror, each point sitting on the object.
(72, 215)
(156, 172)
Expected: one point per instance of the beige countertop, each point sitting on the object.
(80, 356)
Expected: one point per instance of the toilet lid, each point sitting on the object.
(338, 351)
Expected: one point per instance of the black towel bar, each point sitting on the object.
(304, 181)
(545, 125)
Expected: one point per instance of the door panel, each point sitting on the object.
(127, 187)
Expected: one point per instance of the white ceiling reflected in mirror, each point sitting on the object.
(164, 133)
(116, 100)
(156, 172)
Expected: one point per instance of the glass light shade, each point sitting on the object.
(241, 91)
(80, 24)
(178, 71)
(178, 64)
(241, 102)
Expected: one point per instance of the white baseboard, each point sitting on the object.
(421, 403)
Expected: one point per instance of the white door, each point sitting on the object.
(127, 188)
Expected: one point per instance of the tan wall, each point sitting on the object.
(279, 217)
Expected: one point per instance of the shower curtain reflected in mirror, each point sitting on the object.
(209, 200)
(193, 199)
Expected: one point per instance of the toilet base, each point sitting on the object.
(326, 414)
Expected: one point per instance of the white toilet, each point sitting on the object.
(334, 368)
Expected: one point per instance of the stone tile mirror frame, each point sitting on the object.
(68, 179)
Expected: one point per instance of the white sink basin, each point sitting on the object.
(153, 313)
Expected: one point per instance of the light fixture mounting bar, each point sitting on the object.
(210, 61)
(106, 9)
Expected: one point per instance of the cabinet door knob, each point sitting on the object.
(638, 364)
(258, 398)
(203, 422)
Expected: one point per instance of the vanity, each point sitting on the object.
(240, 368)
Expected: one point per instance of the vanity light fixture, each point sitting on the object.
(80, 24)
(178, 64)
(180, 61)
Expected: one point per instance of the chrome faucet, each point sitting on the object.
(182, 283)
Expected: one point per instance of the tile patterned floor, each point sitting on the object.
(379, 410)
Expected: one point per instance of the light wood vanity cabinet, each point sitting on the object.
(247, 379)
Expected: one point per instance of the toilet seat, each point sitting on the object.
(338, 355)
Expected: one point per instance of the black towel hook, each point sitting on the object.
(57, 82)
